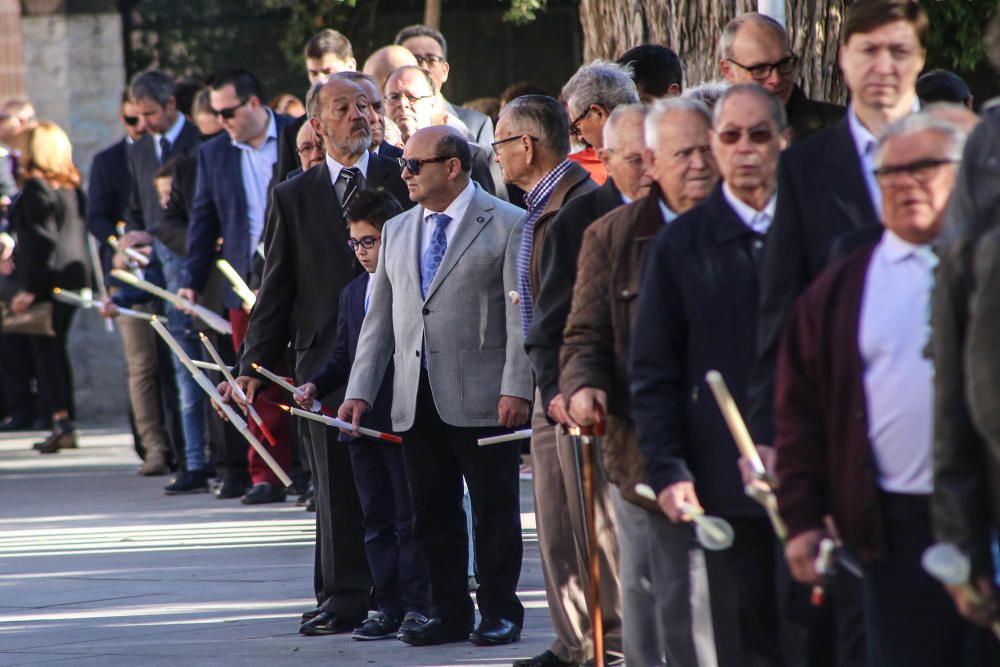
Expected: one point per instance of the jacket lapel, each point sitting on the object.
(844, 168)
(477, 216)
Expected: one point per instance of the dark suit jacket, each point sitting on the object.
(385, 149)
(806, 116)
(821, 196)
(697, 311)
(825, 463)
(174, 226)
(308, 263)
(337, 370)
(555, 293)
(144, 210)
(51, 239)
(288, 154)
(479, 124)
(966, 498)
(108, 190)
(220, 209)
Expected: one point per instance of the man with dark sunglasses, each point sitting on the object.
(753, 48)
(697, 310)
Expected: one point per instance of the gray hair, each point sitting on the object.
(774, 106)
(728, 36)
(603, 83)
(924, 121)
(620, 115)
(708, 92)
(312, 100)
(661, 108)
(542, 117)
(154, 84)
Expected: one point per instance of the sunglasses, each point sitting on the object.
(131, 121)
(366, 242)
(760, 135)
(229, 112)
(414, 165)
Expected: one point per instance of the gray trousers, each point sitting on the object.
(563, 548)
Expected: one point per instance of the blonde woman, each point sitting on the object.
(47, 219)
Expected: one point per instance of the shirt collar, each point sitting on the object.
(270, 135)
(335, 167)
(668, 213)
(758, 221)
(456, 209)
(545, 185)
(896, 249)
(174, 130)
(864, 141)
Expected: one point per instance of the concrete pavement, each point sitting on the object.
(99, 567)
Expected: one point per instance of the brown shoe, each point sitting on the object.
(153, 468)
(58, 440)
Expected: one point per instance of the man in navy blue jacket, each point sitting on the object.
(396, 561)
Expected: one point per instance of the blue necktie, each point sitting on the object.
(431, 259)
(165, 147)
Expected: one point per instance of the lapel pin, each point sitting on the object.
(480, 219)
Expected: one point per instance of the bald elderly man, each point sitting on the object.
(385, 61)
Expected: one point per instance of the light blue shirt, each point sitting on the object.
(667, 212)
(257, 167)
(865, 144)
(898, 378)
(758, 221)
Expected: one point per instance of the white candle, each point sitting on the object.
(737, 426)
(341, 424)
(224, 369)
(285, 384)
(227, 409)
(242, 290)
(522, 434)
(213, 320)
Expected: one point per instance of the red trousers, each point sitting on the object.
(274, 418)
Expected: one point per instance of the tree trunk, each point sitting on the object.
(691, 28)
(432, 13)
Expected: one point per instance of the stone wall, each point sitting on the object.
(75, 72)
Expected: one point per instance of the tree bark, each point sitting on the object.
(691, 28)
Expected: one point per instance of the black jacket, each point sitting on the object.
(697, 311)
(144, 211)
(172, 230)
(806, 116)
(51, 239)
(108, 190)
(822, 195)
(558, 274)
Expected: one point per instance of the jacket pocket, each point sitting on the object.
(304, 339)
(480, 374)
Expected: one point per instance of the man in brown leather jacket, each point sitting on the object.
(594, 374)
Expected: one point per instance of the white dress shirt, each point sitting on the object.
(865, 144)
(892, 336)
(171, 135)
(335, 167)
(758, 221)
(456, 211)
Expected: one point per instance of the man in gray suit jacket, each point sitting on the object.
(438, 308)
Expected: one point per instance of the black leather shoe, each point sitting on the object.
(263, 493)
(494, 632)
(547, 659)
(311, 614)
(418, 630)
(189, 481)
(377, 626)
(325, 623)
(231, 487)
(58, 440)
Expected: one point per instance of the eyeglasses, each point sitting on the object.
(366, 242)
(309, 148)
(428, 60)
(396, 98)
(229, 112)
(921, 170)
(496, 144)
(131, 121)
(760, 135)
(414, 165)
(574, 127)
(760, 72)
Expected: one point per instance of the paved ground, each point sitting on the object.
(98, 567)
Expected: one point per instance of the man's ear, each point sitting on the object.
(318, 128)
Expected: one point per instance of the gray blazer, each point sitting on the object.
(472, 330)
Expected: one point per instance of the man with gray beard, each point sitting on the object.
(308, 263)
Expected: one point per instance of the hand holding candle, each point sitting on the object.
(306, 396)
(237, 390)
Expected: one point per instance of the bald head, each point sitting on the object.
(382, 63)
(748, 45)
(437, 165)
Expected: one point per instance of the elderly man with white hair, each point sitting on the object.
(854, 406)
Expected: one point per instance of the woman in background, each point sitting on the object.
(48, 221)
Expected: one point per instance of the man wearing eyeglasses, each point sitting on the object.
(233, 175)
(430, 49)
(753, 48)
(308, 263)
(854, 407)
(412, 103)
(442, 315)
(697, 311)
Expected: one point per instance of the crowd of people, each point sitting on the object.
(431, 275)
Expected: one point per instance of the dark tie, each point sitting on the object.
(165, 147)
(432, 257)
(347, 184)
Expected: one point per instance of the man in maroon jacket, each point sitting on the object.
(854, 405)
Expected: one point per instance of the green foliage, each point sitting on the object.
(523, 11)
(956, 32)
(307, 17)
